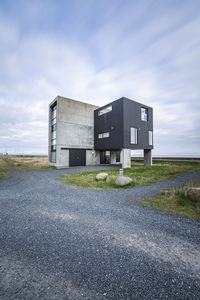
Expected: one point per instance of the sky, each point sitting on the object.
(97, 51)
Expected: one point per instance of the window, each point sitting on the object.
(144, 114)
(134, 135)
(53, 132)
(103, 135)
(53, 121)
(53, 142)
(150, 138)
(105, 110)
(53, 156)
(53, 127)
(54, 135)
(117, 156)
(54, 109)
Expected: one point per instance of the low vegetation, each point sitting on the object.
(33, 162)
(176, 202)
(140, 175)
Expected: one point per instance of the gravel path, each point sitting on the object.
(58, 242)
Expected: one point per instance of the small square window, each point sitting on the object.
(100, 136)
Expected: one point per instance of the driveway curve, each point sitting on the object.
(58, 242)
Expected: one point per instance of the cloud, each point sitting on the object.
(151, 56)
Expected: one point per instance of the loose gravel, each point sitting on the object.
(58, 242)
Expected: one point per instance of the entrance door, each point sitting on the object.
(77, 157)
(105, 157)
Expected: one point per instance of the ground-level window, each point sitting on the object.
(134, 135)
(103, 135)
(150, 138)
(144, 114)
(117, 156)
(53, 156)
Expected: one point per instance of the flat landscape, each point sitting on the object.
(58, 241)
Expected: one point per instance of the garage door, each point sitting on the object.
(77, 157)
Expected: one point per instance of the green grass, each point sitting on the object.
(4, 166)
(9, 163)
(140, 176)
(176, 202)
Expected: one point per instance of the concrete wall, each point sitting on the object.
(74, 135)
(62, 157)
(75, 129)
(92, 157)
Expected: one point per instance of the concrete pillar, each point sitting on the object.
(125, 158)
(112, 157)
(147, 157)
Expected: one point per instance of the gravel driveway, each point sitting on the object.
(57, 242)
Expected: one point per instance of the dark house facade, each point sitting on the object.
(124, 124)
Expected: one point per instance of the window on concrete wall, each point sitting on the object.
(150, 138)
(53, 133)
(105, 110)
(53, 127)
(53, 156)
(134, 135)
(144, 114)
(103, 135)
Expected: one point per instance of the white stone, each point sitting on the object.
(193, 193)
(101, 176)
(122, 180)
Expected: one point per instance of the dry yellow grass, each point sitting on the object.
(37, 161)
(32, 162)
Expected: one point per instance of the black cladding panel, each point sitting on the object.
(132, 118)
(111, 122)
(125, 114)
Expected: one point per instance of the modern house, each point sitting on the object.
(83, 134)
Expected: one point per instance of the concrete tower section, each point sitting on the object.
(71, 133)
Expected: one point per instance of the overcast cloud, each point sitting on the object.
(97, 52)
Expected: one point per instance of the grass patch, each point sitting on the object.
(176, 202)
(140, 176)
(32, 162)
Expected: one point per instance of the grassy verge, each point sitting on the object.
(4, 167)
(35, 162)
(176, 202)
(140, 176)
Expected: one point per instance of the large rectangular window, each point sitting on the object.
(150, 138)
(134, 135)
(105, 110)
(103, 135)
(144, 114)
